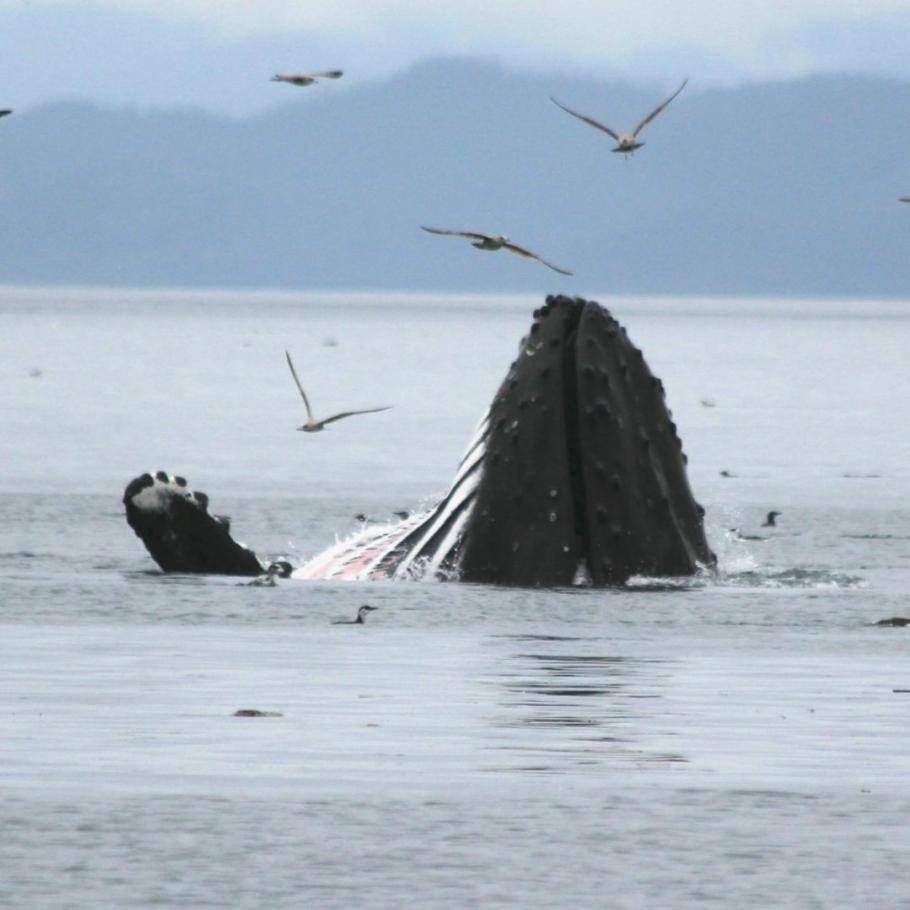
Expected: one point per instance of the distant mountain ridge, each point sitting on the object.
(780, 188)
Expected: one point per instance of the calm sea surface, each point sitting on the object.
(733, 742)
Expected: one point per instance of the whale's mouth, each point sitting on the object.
(575, 475)
(584, 476)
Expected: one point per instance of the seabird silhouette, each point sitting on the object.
(313, 425)
(628, 142)
(306, 78)
(770, 522)
(361, 616)
(495, 242)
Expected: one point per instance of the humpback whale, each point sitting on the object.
(575, 475)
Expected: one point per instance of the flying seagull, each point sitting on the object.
(313, 425)
(496, 242)
(306, 78)
(628, 142)
(361, 616)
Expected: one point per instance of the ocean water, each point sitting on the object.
(729, 741)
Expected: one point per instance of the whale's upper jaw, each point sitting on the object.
(583, 475)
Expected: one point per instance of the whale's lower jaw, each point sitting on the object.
(574, 475)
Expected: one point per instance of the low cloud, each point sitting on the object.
(216, 52)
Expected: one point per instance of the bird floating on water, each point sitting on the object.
(359, 620)
(313, 425)
(628, 142)
(262, 581)
(306, 78)
(495, 242)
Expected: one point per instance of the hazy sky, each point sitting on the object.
(220, 53)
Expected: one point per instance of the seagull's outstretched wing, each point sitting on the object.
(904, 199)
(309, 410)
(329, 74)
(4, 113)
(352, 413)
(589, 120)
(521, 251)
(658, 109)
(472, 235)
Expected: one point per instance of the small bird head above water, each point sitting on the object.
(770, 520)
